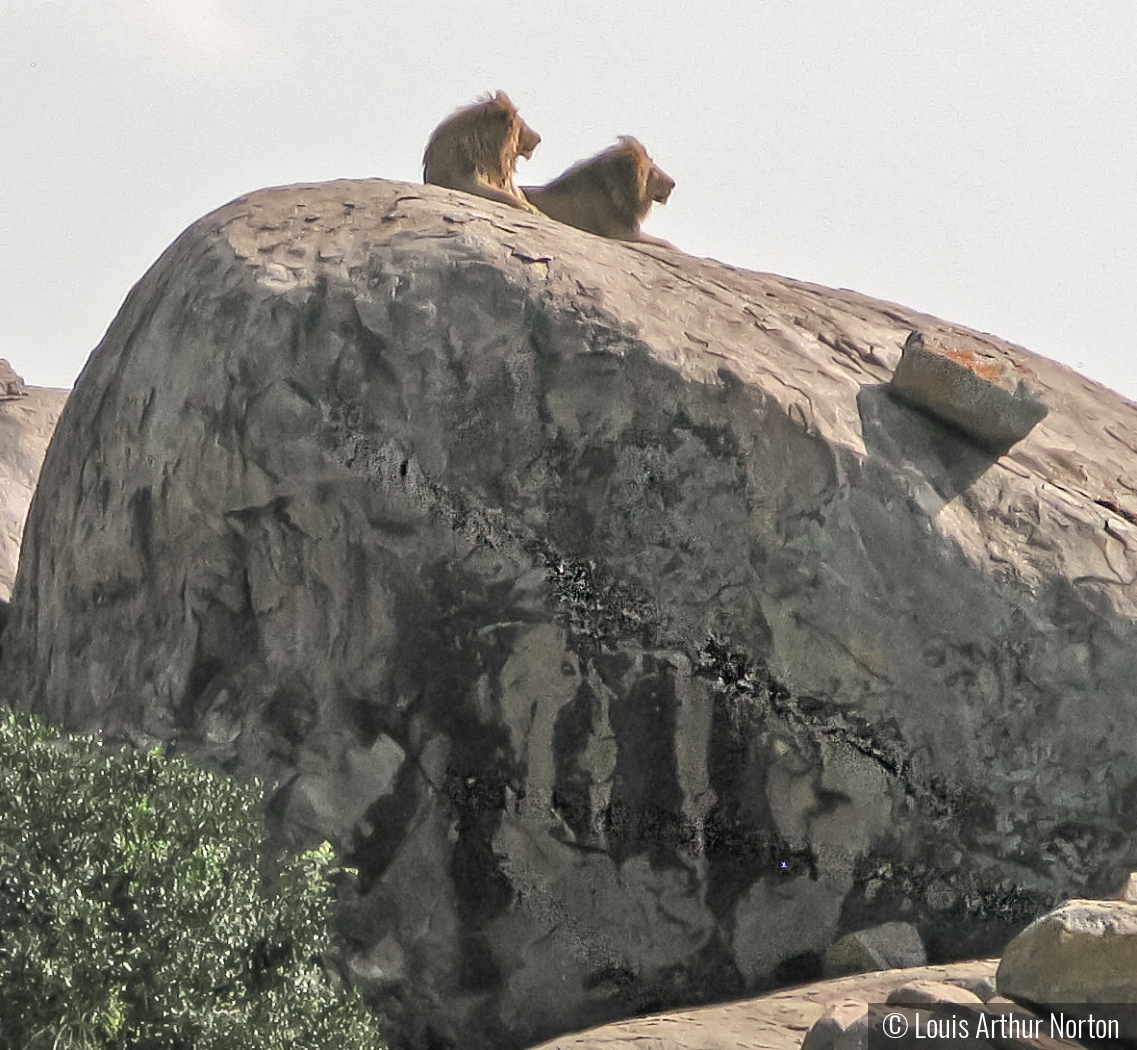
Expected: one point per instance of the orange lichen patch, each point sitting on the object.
(977, 391)
(983, 368)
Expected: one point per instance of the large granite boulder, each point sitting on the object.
(28, 415)
(602, 604)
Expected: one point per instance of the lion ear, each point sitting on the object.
(503, 100)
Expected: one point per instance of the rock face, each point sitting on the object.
(600, 603)
(27, 419)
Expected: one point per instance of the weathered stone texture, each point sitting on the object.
(27, 421)
(599, 602)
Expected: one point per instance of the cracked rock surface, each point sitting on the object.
(600, 603)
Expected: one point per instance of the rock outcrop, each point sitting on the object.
(11, 384)
(602, 604)
(28, 416)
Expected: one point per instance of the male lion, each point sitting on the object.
(476, 150)
(609, 194)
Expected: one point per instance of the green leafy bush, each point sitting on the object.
(133, 911)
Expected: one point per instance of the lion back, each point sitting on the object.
(606, 195)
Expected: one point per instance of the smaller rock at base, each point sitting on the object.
(1083, 952)
(844, 1026)
(1077, 957)
(891, 946)
(1128, 892)
(984, 987)
(917, 993)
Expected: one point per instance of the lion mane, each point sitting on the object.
(476, 150)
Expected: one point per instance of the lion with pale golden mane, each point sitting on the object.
(476, 150)
(609, 194)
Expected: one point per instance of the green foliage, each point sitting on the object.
(133, 911)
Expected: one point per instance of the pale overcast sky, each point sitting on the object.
(976, 159)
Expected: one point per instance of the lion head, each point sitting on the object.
(482, 140)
